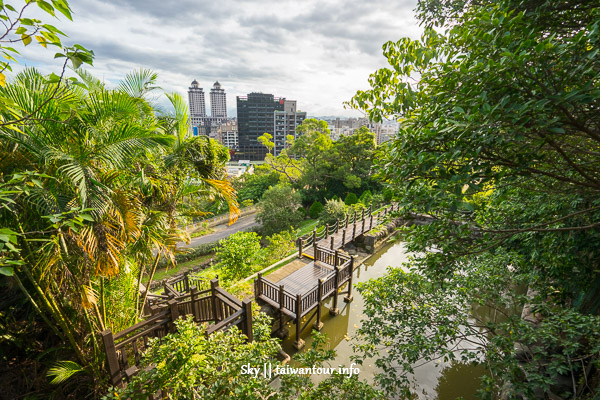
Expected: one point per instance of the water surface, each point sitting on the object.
(435, 380)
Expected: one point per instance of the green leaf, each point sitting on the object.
(63, 7)
(46, 7)
(26, 39)
(7, 271)
(63, 370)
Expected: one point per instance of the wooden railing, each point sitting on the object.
(300, 304)
(351, 226)
(124, 349)
(181, 284)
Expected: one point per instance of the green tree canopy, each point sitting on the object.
(278, 209)
(499, 143)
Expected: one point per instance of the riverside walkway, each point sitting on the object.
(319, 271)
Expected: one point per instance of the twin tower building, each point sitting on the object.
(257, 113)
(197, 102)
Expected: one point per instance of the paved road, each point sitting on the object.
(222, 231)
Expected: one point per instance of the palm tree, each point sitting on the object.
(109, 182)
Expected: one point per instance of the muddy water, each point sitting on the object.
(442, 381)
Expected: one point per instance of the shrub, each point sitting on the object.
(315, 210)
(333, 210)
(279, 209)
(387, 195)
(280, 245)
(237, 253)
(350, 199)
(366, 197)
(247, 203)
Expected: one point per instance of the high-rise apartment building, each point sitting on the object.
(196, 100)
(256, 114)
(218, 102)
(285, 123)
(201, 124)
(259, 113)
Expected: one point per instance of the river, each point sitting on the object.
(436, 380)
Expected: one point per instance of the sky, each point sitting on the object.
(316, 52)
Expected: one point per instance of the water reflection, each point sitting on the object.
(436, 380)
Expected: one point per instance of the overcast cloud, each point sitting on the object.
(316, 52)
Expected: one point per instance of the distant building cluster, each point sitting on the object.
(345, 127)
(259, 113)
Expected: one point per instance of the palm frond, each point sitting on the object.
(63, 370)
(139, 82)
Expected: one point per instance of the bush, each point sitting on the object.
(377, 201)
(350, 199)
(333, 210)
(366, 197)
(387, 195)
(190, 254)
(280, 245)
(247, 203)
(279, 210)
(315, 210)
(237, 254)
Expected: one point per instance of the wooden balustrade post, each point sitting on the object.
(363, 226)
(194, 302)
(299, 343)
(112, 360)
(337, 225)
(347, 218)
(214, 284)
(336, 258)
(354, 217)
(186, 282)
(371, 223)
(300, 248)
(348, 298)
(247, 307)
(334, 309)
(318, 325)
(326, 230)
(280, 332)
(258, 285)
(343, 237)
(315, 238)
(354, 230)
(363, 214)
(174, 312)
(332, 242)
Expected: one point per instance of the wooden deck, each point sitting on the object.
(305, 278)
(320, 271)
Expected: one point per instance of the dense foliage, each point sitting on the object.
(315, 210)
(237, 254)
(321, 168)
(189, 365)
(92, 199)
(278, 209)
(499, 144)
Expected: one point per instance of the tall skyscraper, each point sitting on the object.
(196, 100)
(285, 124)
(201, 124)
(259, 113)
(218, 102)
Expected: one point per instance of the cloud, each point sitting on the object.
(316, 52)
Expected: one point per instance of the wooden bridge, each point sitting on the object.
(214, 307)
(319, 271)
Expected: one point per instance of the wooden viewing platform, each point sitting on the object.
(320, 270)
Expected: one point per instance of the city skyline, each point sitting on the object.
(319, 53)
